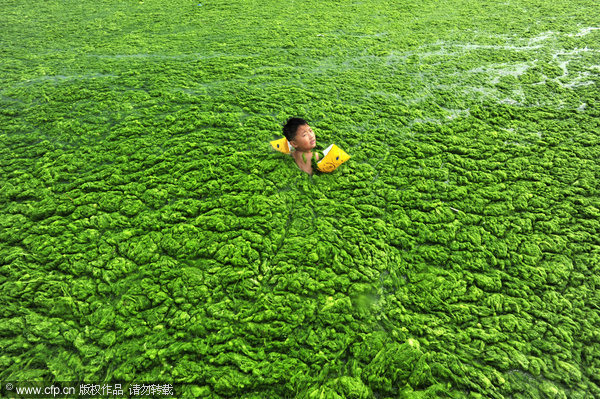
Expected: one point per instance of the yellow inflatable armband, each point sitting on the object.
(281, 145)
(334, 156)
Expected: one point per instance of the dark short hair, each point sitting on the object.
(291, 127)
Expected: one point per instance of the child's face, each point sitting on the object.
(305, 139)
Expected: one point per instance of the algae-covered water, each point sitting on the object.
(148, 233)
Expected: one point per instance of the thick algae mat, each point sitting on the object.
(149, 233)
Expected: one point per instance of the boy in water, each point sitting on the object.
(302, 138)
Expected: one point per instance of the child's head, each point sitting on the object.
(299, 134)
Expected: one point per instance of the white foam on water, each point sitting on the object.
(584, 31)
(542, 38)
(497, 71)
(456, 113)
(581, 78)
(438, 53)
(483, 91)
(509, 101)
(574, 52)
(522, 138)
(518, 98)
(578, 81)
(418, 99)
(479, 83)
(497, 47)
(563, 66)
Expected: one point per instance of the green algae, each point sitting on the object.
(148, 233)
